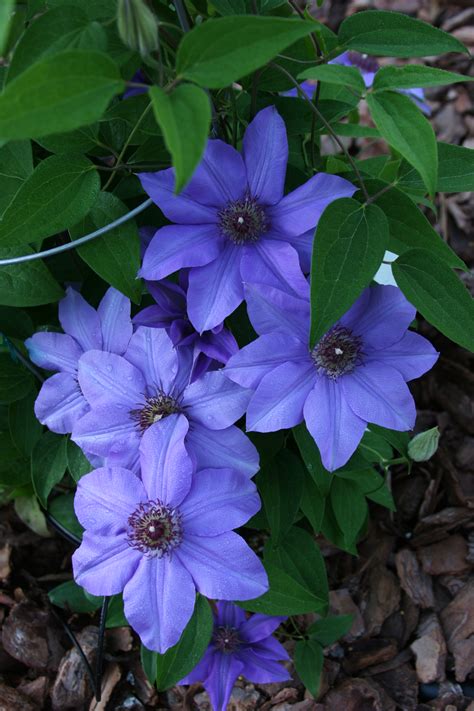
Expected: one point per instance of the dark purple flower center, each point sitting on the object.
(226, 639)
(155, 408)
(363, 62)
(243, 221)
(338, 352)
(155, 528)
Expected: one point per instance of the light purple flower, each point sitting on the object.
(355, 374)
(60, 403)
(151, 383)
(161, 538)
(239, 646)
(211, 350)
(233, 224)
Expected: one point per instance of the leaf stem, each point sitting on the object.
(126, 144)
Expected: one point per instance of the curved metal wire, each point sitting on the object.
(77, 242)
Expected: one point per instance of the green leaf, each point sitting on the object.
(348, 247)
(375, 448)
(424, 445)
(355, 130)
(398, 440)
(71, 597)
(148, 661)
(7, 8)
(27, 284)
(280, 485)
(312, 459)
(62, 509)
(330, 629)
(372, 485)
(15, 380)
(27, 509)
(331, 530)
(350, 508)
(77, 462)
(183, 657)
(336, 74)
(48, 464)
(58, 93)
(405, 128)
(392, 34)
(184, 116)
(313, 503)
(115, 614)
(60, 191)
(16, 164)
(435, 290)
(218, 52)
(455, 170)
(15, 323)
(115, 256)
(414, 75)
(309, 660)
(24, 427)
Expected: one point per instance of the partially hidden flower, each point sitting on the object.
(161, 538)
(150, 384)
(232, 219)
(355, 374)
(61, 403)
(239, 646)
(211, 349)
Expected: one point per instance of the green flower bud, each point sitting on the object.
(423, 445)
(137, 26)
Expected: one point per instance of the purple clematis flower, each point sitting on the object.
(60, 403)
(161, 538)
(354, 375)
(211, 350)
(239, 646)
(233, 223)
(151, 383)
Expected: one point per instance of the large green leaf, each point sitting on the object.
(312, 459)
(24, 427)
(392, 34)
(26, 284)
(455, 170)
(48, 464)
(16, 164)
(348, 248)
(72, 597)
(60, 191)
(349, 506)
(184, 116)
(330, 629)
(115, 256)
(6, 12)
(438, 294)
(309, 661)
(15, 380)
(407, 130)
(223, 50)
(336, 74)
(414, 75)
(313, 503)
(281, 486)
(58, 93)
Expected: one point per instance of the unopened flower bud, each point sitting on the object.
(137, 26)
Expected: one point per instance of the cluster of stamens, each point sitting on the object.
(243, 221)
(338, 352)
(155, 528)
(226, 639)
(155, 408)
(363, 61)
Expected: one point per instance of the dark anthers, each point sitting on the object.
(364, 62)
(338, 352)
(243, 221)
(155, 408)
(155, 528)
(226, 639)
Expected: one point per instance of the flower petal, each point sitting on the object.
(100, 512)
(261, 670)
(300, 211)
(302, 243)
(166, 468)
(151, 351)
(60, 403)
(108, 379)
(223, 672)
(215, 401)
(159, 601)
(182, 208)
(412, 356)
(54, 351)
(103, 564)
(271, 309)
(223, 567)
(259, 626)
(117, 329)
(377, 393)
(80, 320)
(229, 615)
(275, 263)
(220, 177)
(215, 290)
(265, 151)
(222, 448)
(107, 431)
(335, 428)
(201, 670)
(176, 246)
(270, 648)
(279, 399)
(218, 501)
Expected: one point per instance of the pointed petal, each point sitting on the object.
(259, 626)
(279, 399)
(114, 313)
(97, 510)
(108, 379)
(336, 429)
(270, 648)
(103, 564)
(166, 466)
(412, 356)
(201, 670)
(215, 290)
(80, 320)
(183, 208)
(300, 211)
(302, 243)
(159, 601)
(176, 246)
(107, 431)
(60, 403)
(224, 670)
(276, 264)
(271, 309)
(54, 351)
(152, 353)
(215, 401)
(223, 567)
(229, 615)
(218, 346)
(265, 150)
(222, 448)
(219, 500)
(221, 177)
(261, 670)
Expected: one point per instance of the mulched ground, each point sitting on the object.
(411, 590)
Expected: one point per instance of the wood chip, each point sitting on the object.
(382, 597)
(446, 557)
(430, 650)
(413, 580)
